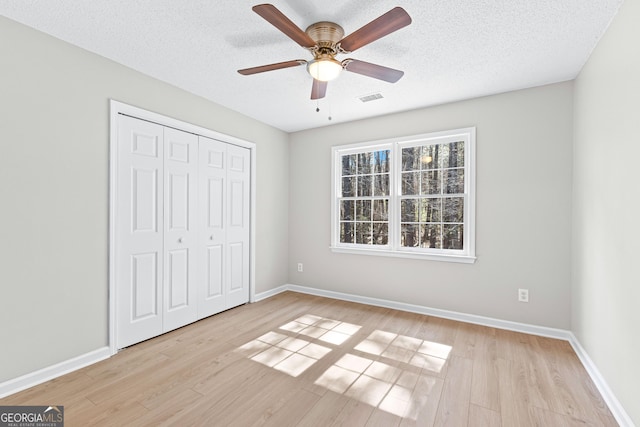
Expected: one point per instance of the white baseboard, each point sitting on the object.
(610, 399)
(38, 377)
(446, 314)
(270, 293)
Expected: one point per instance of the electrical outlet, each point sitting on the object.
(299, 267)
(523, 295)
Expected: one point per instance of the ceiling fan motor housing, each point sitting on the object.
(326, 35)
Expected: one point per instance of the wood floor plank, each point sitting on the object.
(453, 409)
(354, 413)
(259, 400)
(121, 413)
(466, 340)
(292, 411)
(302, 360)
(572, 388)
(514, 400)
(424, 402)
(380, 418)
(325, 411)
(167, 407)
(483, 417)
(442, 331)
(485, 390)
(543, 417)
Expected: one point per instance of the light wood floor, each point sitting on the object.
(299, 360)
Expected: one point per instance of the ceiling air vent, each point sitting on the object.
(372, 97)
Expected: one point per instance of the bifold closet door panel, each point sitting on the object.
(238, 226)
(139, 231)
(213, 192)
(224, 185)
(180, 228)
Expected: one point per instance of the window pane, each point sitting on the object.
(346, 232)
(456, 155)
(431, 210)
(410, 183)
(453, 209)
(411, 158)
(454, 181)
(430, 236)
(452, 236)
(381, 185)
(349, 165)
(347, 212)
(409, 235)
(380, 233)
(430, 182)
(365, 162)
(451, 155)
(364, 186)
(380, 210)
(363, 210)
(381, 161)
(363, 233)
(348, 187)
(429, 157)
(409, 210)
(442, 159)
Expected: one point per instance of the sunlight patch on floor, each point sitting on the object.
(295, 354)
(372, 382)
(290, 355)
(414, 351)
(389, 388)
(383, 370)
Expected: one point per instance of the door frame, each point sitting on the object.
(119, 108)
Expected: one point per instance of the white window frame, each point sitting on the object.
(393, 248)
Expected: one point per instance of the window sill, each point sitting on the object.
(464, 259)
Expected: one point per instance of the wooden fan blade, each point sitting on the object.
(319, 89)
(284, 24)
(271, 67)
(386, 24)
(372, 70)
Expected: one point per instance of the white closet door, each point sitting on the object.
(224, 196)
(213, 192)
(180, 228)
(238, 227)
(139, 219)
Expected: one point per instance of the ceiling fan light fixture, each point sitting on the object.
(324, 69)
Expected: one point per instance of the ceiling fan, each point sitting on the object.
(325, 40)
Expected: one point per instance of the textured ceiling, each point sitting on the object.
(453, 50)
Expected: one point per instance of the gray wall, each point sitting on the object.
(606, 279)
(54, 134)
(524, 153)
